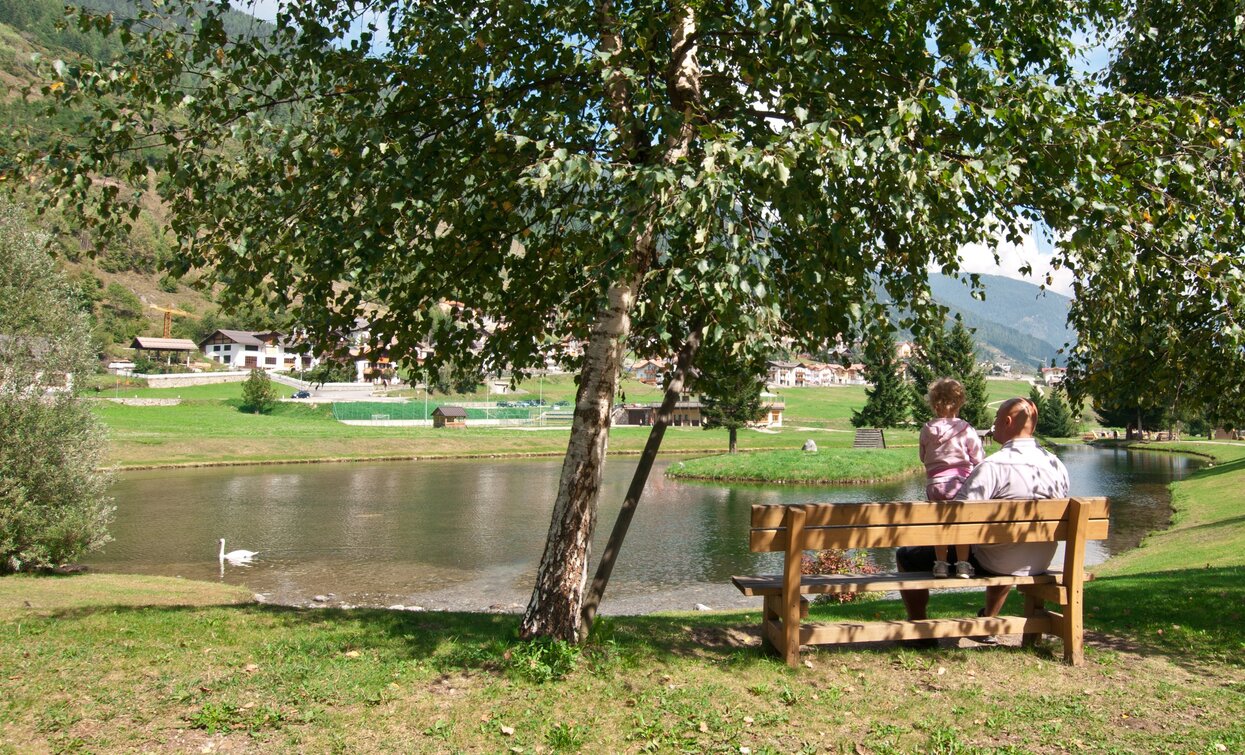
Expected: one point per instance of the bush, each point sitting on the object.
(53, 506)
(258, 395)
(1055, 417)
(839, 561)
(329, 372)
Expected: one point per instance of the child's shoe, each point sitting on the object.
(942, 570)
(964, 570)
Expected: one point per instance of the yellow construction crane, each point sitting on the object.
(168, 317)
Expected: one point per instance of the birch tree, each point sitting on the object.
(628, 174)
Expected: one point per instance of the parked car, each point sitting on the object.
(301, 394)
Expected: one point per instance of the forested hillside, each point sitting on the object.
(1017, 322)
(119, 284)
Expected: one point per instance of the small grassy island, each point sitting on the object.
(828, 465)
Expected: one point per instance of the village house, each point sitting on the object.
(1053, 375)
(248, 350)
(781, 374)
(648, 370)
(808, 373)
(372, 363)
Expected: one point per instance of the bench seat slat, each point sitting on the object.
(828, 584)
(926, 512)
(879, 631)
(888, 536)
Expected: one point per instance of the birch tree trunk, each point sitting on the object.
(557, 599)
(674, 389)
(554, 608)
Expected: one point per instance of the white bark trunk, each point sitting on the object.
(554, 609)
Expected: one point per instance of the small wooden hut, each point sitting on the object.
(449, 416)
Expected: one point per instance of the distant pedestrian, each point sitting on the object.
(950, 448)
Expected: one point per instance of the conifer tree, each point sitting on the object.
(886, 403)
(954, 355)
(1038, 399)
(731, 400)
(1055, 417)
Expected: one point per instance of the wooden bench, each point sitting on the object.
(795, 529)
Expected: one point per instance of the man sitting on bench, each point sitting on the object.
(1020, 470)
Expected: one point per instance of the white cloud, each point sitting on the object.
(977, 258)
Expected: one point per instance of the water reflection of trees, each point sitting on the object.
(445, 522)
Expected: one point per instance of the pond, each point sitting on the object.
(468, 534)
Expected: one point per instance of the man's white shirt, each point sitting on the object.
(1021, 469)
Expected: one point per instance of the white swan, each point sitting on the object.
(236, 557)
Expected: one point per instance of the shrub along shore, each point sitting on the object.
(126, 663)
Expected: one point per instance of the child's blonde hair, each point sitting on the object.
(945, 396)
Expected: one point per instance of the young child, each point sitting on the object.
(950, 449)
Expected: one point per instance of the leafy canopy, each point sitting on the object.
(1159, 306)
(507, 157)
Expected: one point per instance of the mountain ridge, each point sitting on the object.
(1017, 322)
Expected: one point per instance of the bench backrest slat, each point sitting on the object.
(925, 512)
(876, 525)
(820, 538)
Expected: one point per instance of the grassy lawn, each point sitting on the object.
(842, 465)
(212, 392)
(208, 427)
(126, 663)
(1184, 588)
(215, 431)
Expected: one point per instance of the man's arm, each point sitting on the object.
(980, 485)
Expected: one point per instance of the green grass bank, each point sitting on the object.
(826, 465)
(119, 663)
(208, 428)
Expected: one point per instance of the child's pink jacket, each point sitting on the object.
(949, 447)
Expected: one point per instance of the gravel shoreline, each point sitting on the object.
(491, 599)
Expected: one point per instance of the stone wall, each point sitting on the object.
(182, 380)
(145, 401)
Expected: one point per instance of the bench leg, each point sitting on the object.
(1074, 629)
(794, 519)
(1034, 606)
(772, 611)
(1074, 576)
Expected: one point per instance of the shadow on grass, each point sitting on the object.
(1193, 616)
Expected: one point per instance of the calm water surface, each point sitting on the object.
(468, 534)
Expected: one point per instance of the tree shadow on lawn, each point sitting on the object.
(1194, 617)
